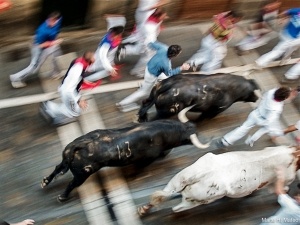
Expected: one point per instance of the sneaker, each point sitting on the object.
(18, 84)
(128, 107)
(219, 144)
(121, 53)
(249, 141)
(136, 119)
(193, 66)
(284, 80)
(238, 51)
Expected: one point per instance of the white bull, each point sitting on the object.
(231, 174)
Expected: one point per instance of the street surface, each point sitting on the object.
(30, 150)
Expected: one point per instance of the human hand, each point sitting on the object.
(83, 104)
(114, 72)
(294, 93)
(57, 41)
(185, 66)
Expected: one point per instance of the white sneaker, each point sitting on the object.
(121, 53)
(18, 84)
(128, 107)
(249, 141)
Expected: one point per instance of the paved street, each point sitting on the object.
(30, 150)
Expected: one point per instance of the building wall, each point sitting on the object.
(25, 15)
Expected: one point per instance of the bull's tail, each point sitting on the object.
(68, 154)
(159, 196)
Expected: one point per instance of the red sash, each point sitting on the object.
(5, 5)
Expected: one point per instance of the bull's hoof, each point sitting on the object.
(62, 198)
(44, 182)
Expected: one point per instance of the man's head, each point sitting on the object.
(173, 51)
(53, 18)
(89, 57)
(233, 16)
(282, 94)
(118, 30)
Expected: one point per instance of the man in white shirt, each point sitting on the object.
(149, 33)
(265, 115)
(292, 75)
(105, 54)
(144, 10)
(289, 213)
(72, 102)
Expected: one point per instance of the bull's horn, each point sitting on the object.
(181, 115)
(197, 143)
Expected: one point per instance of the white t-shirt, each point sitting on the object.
(269, 108)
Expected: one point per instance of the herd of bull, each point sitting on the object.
(211, 177)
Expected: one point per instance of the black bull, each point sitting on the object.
(211, 95)
(137, 144)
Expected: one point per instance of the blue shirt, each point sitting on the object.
(45, 33)
(160, 63)
(293, 26)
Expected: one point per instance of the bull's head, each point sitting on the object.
(194, 139)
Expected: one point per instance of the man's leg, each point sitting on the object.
(203, 54)
(275, 53)
(17, 79)
(218, 53)
(231, 137)
(143, 91)
(292, 75)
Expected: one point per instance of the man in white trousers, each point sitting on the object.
(72, 102)
(149, 33)
(266, 115)
(159, 64)
(45, 44)
(289, 39)
(214, 45)
(145, 9)
(105, 53)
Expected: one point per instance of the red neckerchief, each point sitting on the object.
(156, 20)
(83, 62)
(116, 41)
(153, 19)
